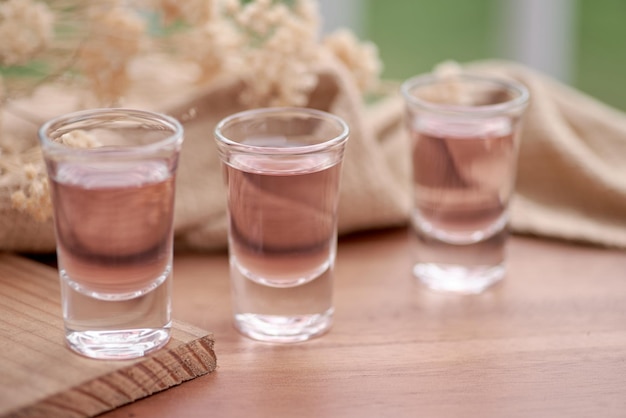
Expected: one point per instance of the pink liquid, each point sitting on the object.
(463, 177)
(282, 217)
(114, 226)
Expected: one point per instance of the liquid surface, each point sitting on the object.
(117, 329)
(282, 217)
(463, 177)
(114, 226)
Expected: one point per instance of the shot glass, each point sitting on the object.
(112, 175)
(282, 171)
(464, 132)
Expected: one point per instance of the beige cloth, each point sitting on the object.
(374, 194)
(572, 164)
(571, 177)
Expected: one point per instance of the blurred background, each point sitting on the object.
(580, 42)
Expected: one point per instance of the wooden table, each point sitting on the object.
(549, 341)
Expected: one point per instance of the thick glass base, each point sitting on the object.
(118, 344)
(467, 268)
(457, 278)
(117, 329)
(282, 314)
(283, 329)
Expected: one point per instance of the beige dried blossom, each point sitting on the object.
(212, 46)
(34, 196)
(361, 58)
(116, 37)
(280, 51)
(79, 138)
(272, 46)
(452, 91)
(194, 12)
(2, 101)
(447, 69)
(26, 28)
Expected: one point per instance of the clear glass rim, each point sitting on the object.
(248, 115)
(518, 102)
(169, 122)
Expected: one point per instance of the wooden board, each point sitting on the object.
(40, 376)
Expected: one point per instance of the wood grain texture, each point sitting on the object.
(41, 377)
(549, 341)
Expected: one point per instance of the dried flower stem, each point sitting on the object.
(272, 46)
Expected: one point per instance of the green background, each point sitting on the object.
(414, 35)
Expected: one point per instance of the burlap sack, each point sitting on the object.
(373, 195)
(572, 171)
(571, 180)
(374, 192)
(571, 177)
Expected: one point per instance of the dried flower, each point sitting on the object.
(34, 197)
(26, 27)
(194, 12)
(211, 46)
(2, 100)
(117, 33)
(79, 139)
(361, 59)
(452, 91)
(447, 69)
(272, 46)
(280, 51)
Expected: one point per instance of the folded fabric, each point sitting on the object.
(373, 193)
(571, 177)
(571, 181)
(572, 164)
